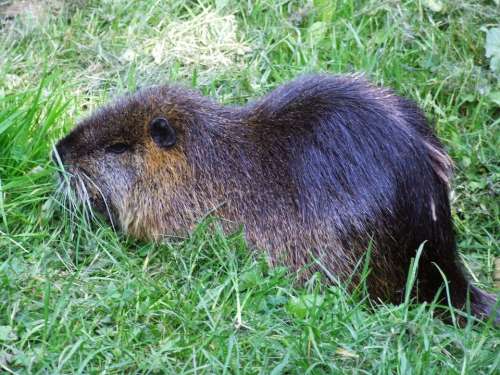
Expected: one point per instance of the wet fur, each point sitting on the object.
(318, 171)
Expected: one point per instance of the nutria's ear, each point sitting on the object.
(162, 132)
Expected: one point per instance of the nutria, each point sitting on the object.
(318, 171)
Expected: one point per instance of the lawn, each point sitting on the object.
(77, 297)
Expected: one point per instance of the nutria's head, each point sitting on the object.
(129, 159)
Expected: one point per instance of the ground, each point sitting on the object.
(76, 297)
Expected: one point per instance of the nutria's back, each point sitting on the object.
(318, 171)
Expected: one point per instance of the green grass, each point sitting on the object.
(76, 297)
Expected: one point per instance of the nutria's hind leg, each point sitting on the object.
(433, 277)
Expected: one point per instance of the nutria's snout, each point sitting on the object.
(56, 157)
(74, 177)
(59, 151)
(318, 171)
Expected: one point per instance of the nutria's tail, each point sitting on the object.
(462, 294)
(484, 305)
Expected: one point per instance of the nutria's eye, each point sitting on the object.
(117, 148)
(162, 132)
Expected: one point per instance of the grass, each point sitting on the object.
(76, 297)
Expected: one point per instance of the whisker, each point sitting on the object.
(103, 198)
(64, 198)
(70, 202)
(86, 199)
